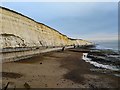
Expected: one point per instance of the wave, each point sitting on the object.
(96, 64)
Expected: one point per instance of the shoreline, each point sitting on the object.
(57, 69)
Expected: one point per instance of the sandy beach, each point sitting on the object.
(58, 69)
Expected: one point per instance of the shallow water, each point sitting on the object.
(96, 64)
(101, 65)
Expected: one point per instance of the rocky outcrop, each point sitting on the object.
(19, 31)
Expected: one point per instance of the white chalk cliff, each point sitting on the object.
(18, 30)
(22, 37)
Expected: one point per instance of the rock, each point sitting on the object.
(41, 63)
(15, 28)
(46, 85)
(21, 34)
(27, 86)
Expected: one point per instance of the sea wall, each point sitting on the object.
(21, 32)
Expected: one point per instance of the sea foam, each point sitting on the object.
(96, 64)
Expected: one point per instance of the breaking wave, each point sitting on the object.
(99, 65)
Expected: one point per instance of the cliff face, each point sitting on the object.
(18, 30)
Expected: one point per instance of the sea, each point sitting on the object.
(110, 63)
(112, 44)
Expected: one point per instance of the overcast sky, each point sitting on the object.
(84, 20)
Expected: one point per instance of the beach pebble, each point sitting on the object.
(46, 85)
(27, 86)
(41, 63)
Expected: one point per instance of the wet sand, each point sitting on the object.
(58, 69)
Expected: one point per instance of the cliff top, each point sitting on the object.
(38, 22)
